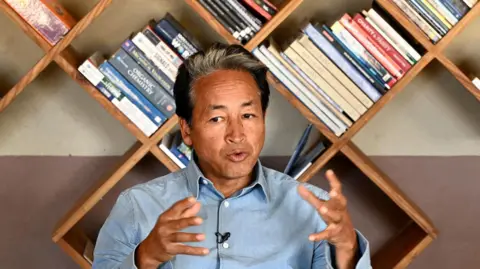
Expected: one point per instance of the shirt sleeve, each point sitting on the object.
(115, 246)
(324, 254)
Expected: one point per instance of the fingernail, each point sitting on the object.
(200, 237)
(198, 220)
(311, 238)
(324, 210)
(205, 251)
(191, 199)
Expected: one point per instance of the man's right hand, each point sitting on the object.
(165, 240)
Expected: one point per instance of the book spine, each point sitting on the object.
(267, 6)
(444, 11)
(394, 35)
(436, 13)
(470, 3)
(220, 19)
(244, 29)
(353, 72)
(172, 156)
(460, 6)
(37, 15)
(179, 155)
(305, 97)
(61, 13)
(163, 48)
(254, 22)
(243, 19)
(133, 94)
(147, 65)
(448, 5)
(139, 78)
(148, 48)
(371, 46)
(105, 86)
(427, 29)
(382, 43)
(195, 43)
(328, 77)
(174, 38)
(396, 46)
(225, 17)
(365, 59)
(258, 9)
(336, 72)
(418, 6)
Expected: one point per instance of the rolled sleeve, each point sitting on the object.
(364, 262)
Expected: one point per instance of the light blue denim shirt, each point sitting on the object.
(269, 224)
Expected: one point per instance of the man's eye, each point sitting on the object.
(248, 116)
(216, 119)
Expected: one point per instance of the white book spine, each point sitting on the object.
(304, 97)
(476, 82)
(172, 156)
(163, 48)
(150, 50)
(393, 34)
(444, 11)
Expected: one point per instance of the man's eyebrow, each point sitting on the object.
(220, 107)
(249, 103)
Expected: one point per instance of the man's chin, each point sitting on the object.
(237, 170)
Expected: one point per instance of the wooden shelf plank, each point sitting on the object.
(164, 159)
(459, 75)
(319, 163)
(411, 27)
(275, 83)
(198, 8)
(47, 58)
(388, 187)
(283, 12)
(457, 29)
(400, 251)
(73, 243)
(91, 198)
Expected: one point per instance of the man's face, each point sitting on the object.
(228, 125)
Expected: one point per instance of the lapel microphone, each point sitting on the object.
(221, 238)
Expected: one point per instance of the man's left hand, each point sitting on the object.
(340, 231)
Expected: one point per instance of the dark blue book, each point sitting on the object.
(133, 94)
(307, 159)
(361, 65)
(179, 155)
(174, 38)
(425, 13)
(195, 43)
(458, 13)
(298, 149)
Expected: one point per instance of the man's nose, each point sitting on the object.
(236, 132)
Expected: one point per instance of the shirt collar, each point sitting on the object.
(194, 175)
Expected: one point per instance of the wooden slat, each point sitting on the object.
(47, 58)
(292, 99)
(283, 12)
(166, 127)
(459, 75)
(388, 187)
(198, 8)
(320, 162)
(164, 159)
(399, 252)
(411, 27)
(73, 243)
(91, 198)
(457, 29)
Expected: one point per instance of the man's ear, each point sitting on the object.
(185, 130)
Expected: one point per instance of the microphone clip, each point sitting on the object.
(221, 238)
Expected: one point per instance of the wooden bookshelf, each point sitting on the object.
(397, 253)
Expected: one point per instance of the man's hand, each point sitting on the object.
(340, 231)
(165, 240)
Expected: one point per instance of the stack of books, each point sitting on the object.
(46, 17)
(173, 146)
(435, 17)
(242, 18)
(139, 77)
(339, 72)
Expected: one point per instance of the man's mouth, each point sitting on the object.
(237, 156)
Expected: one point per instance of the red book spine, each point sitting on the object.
(382, 42)
(370, 45)
(259, 9)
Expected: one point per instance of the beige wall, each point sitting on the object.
(434, 115)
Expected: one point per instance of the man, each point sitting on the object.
(225, 210)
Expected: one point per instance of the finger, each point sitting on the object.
(191, 211)
(180, 224)
(335, 185)
(176, 249)
(331, 216)
(310, 197)
(186, 237)
(338, 202)
(326, 234)
(176, 209)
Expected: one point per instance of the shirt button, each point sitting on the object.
(204, 181)
(225, 245)
(226, 205)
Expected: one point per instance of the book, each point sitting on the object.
(257, 9)
(47, 17)
(339, 58)
(476, 82)
(245, 30)
(220, 19)
(252, 20)
(162, 48)
(298, 149)
(428, 16)
(88, 251)
(166, 145)
(143, 82)
(437, 4)
(178, 26)
(306, 160)
(470, 3)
